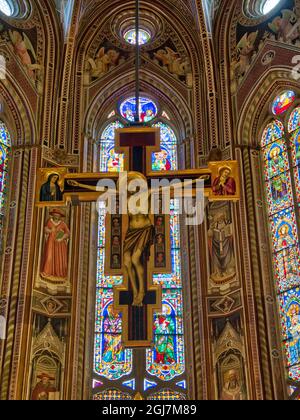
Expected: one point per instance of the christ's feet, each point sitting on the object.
(140, 298)
(135, 296)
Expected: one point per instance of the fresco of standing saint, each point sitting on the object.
(55, 256)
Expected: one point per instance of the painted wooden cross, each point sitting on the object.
(137, 247)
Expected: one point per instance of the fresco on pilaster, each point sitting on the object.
(53, 274)
(222, 266)
(229, 359)
(47, 358)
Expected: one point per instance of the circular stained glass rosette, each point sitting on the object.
(283, 102)
(148, 109)
(269, 5)
(144, 37)
(6, 7)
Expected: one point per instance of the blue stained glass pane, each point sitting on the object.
(130, 384)
(285, 240)
(181, 384)
(109, 160)
(275, 155)
(290, 318)
(166, 159)
(283, 102)
(294, 121)
(279, 190)
(274, 131)
(289, 310)
(149, 384)
(297, 181)
(167, 359)
(4, 135)
(109, 132)
(147, 111)
(284, 230)
(294, 374)
(111, 360)
(295, 140)
(6, 8)
(287, 268)
(144, 37)
(5, 148)
(170, 281)
(269, 5)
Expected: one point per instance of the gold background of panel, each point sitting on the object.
(215, 167)
(42, 177)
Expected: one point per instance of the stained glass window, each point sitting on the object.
(269, 5)
(109, 160)
(283, 102)
(283, 207)
(148, 109)
(167, 395)
(274, 131)
(6, 7)
(166, 361)
(5, 147)
(110, 359)
(144, 37)
(294, 121)
(112, 394)
(166, 159)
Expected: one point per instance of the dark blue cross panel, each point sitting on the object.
(137, 319)
(138, 143)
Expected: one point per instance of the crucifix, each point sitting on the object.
(137, 245)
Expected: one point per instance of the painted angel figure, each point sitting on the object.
(23, 47)
(103, 62)
(172, 60)
(245, 49)
(287, 27)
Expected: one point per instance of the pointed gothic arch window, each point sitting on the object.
(117, 372)
(281, 156)
(5, 149)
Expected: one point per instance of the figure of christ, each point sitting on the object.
(138, 239)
